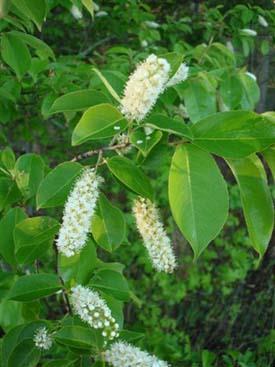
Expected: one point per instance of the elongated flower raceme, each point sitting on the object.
(91, 308)
(144, 86)
(180, 75)
(78, 213)
(123, 354)
(154, 236)
(42, 339)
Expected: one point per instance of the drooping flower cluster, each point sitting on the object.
(144, 86)
(91, 308)
(154, 236)
(78, 213)
(180, 75)
(122, 354)
(42, 339)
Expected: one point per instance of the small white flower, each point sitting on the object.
(91, 308)
(154, 236)
(230, 46)
(248, 32)
(42, 338)
(144, 86)
(144, 43)
(78, 213)
(180, 75)
(121, 354)
(251, 75)
(101, 14)
(139, 141)
(76, 12)
(116, 127)
(151, 24)
(262, 21)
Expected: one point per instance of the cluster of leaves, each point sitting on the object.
(208, 114)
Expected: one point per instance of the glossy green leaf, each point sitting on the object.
(24, 354)
(98, 122)
(256, 200)
(269, 156)
(29, 172)
(198, 196)
(234, 134)
(251, 92)
(108, 225)
(30, 287)
(231, 90)
(168, 124)
(112, 283)
(79, 267)
(143, 142)
(9, 192)
(56, 186)
(8, 158)
(130, 336)
(78, 100)
(79, 337)
(16, 54)
(35, 10)
(130, 175)
(33, 237)
(7, 225)
(107, 85)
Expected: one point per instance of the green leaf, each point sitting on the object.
(112, 283)
(145, 143)
(89, 5)
(234, 134)
(79, 267)
(7, 225)
(130, 175)
(30, 287)
(130, 336)
(35, 10)
(29, 172)
(231, 90)
(98, 122)
(107, 85)
(42, 49)
(198, 196)
(33, 237)
(256, 200)
(79, 337)
(108, 225)
(8, 158)
(269, 156)
(251, 92)
(9, 192)
(56, 186)
(199, 96)
(16, 54)
(24, 354)
(78, 100)
(168, 124)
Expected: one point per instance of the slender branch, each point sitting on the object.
(91, 153)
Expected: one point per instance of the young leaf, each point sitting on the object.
(56, 186)
(198, 196)
(78, 100)
(33, 237)
(98, 122)
(7, 225)
(8, 158)
(256, 200)
(234, 134)
(35, 10)
(30, 287)
(16, 54)
(130, 175)
(108, 225)
(165, 123)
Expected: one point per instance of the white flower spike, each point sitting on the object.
(91, 308)
(262, 21)
(122, 354)
(248, 32)
(154, 236)
(42, 339)
(180, 75)
(76, 12)
(78, 213)
(144, 86)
